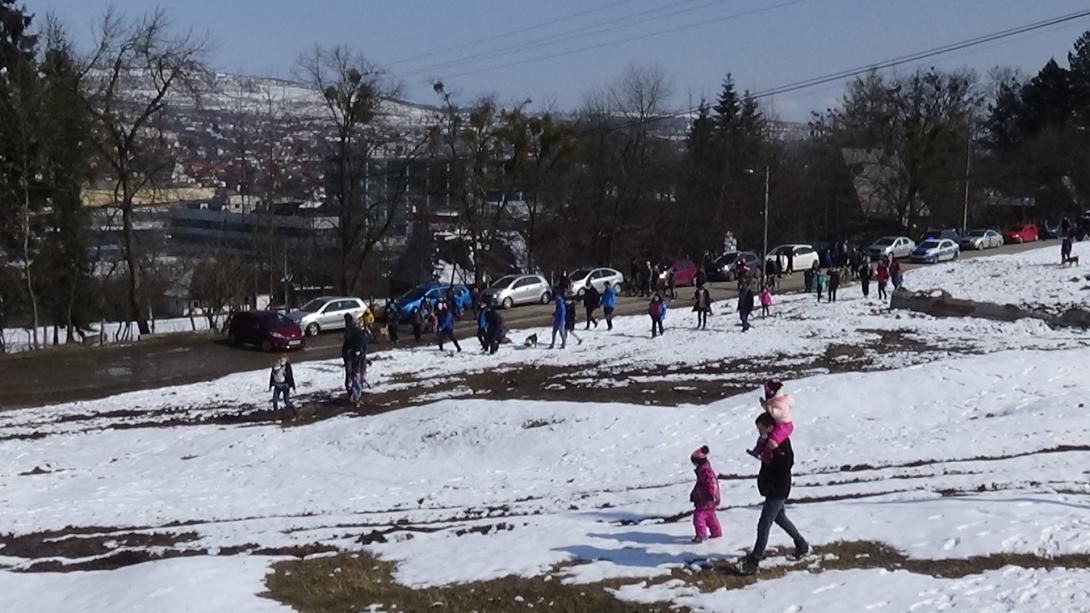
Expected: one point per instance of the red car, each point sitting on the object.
(684, 273)
(269, 330)
(1020, 233)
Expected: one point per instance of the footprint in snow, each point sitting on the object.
(951, 543)
(877, 605)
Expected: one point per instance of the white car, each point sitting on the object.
(981, 239)
(804, 256)
(892, 247)
(936, 250)
(327, 313)
(518, 289)
(598, 276)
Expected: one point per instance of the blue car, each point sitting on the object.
(433, 292)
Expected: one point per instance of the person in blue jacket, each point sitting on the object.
(446, 326)
(482, 324)
(609, 302)
(560, 320)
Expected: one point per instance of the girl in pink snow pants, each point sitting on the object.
(705, 497)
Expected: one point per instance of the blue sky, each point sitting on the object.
(783, 43)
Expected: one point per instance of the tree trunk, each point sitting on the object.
(135, 313)
(31, 295)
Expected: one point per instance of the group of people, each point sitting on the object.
(565, 311)
(826, 282)
(773, 449)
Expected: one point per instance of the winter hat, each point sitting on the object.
(772, 387)
(700, 455)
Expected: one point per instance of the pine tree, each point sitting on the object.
(727, 107)
(1079, 71)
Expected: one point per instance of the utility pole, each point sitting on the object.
(764, 248)
(968, 168)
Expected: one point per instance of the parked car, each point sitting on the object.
(939, 234)
(433, 292)
(269, 330)
(936, 250)
(725, 267)
(1020, 233)
(685, 273)
(326, 313)
(1048, 230)
(981, 239)
(891, 247)
(518, 289)
(597, 276)
(805, 256)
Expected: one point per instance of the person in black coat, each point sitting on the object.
(281, 382)
(495, 329)
(592, 299)
(774, 483)
(745, 305)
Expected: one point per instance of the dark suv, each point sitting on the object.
(269, 330)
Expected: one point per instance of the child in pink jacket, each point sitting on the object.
(705, 497)
(766, 301)
(777, 404)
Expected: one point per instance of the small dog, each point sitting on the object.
(1073, 260)
(531, 341)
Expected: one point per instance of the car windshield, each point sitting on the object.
(882, 242)
(929, 244)
(579, 274)
(1016, 228)
(415, 293)
(977, 233)
(504, 282)
(275, 320)
(313, 305)
(727, 259)
(782, 250)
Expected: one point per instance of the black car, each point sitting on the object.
(725, 267)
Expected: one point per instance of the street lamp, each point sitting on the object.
(764, 245)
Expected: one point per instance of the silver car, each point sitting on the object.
(327, 313)
(981, 239)
(598, 276)
(892, 247)
(518, 289)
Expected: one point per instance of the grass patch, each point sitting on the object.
(351, 582)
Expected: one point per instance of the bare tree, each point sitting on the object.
(136, 70)
(365, 143)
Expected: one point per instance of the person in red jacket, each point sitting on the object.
(705, 497)
(883, 279)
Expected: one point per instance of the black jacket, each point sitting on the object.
(774, 480)
(592, 299)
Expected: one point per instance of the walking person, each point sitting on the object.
(820, 281)
(745, 305)
(1065, 249)
(790, 261)
(656, 309)
(882, 278)
(591, 301)
(774, 484)
(282, 382)
(494, 325)
(609, 302)
(560, 320)
(702, 305)
(766, 301)
(705, 497)
(864, 274)
(834, 283)
(571, 317)
(895, 274)
(482, 325)
(391, 320)
(416, 318)
(445, 326)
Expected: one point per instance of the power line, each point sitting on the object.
(705, 22)
(509, 34)
(594, 29)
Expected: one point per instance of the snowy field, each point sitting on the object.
(951, 440)
(1032, 278)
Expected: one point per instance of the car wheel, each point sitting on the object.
(312, 330)
(231, 338)
(546, 298)
(580, 293)
(266, 346)
(508, 303)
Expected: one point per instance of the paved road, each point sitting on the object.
(79, 373)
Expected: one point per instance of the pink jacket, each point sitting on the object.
(705, 494)
(779, 407)
(766, 298)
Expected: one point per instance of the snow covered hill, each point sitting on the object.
(941, 465)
